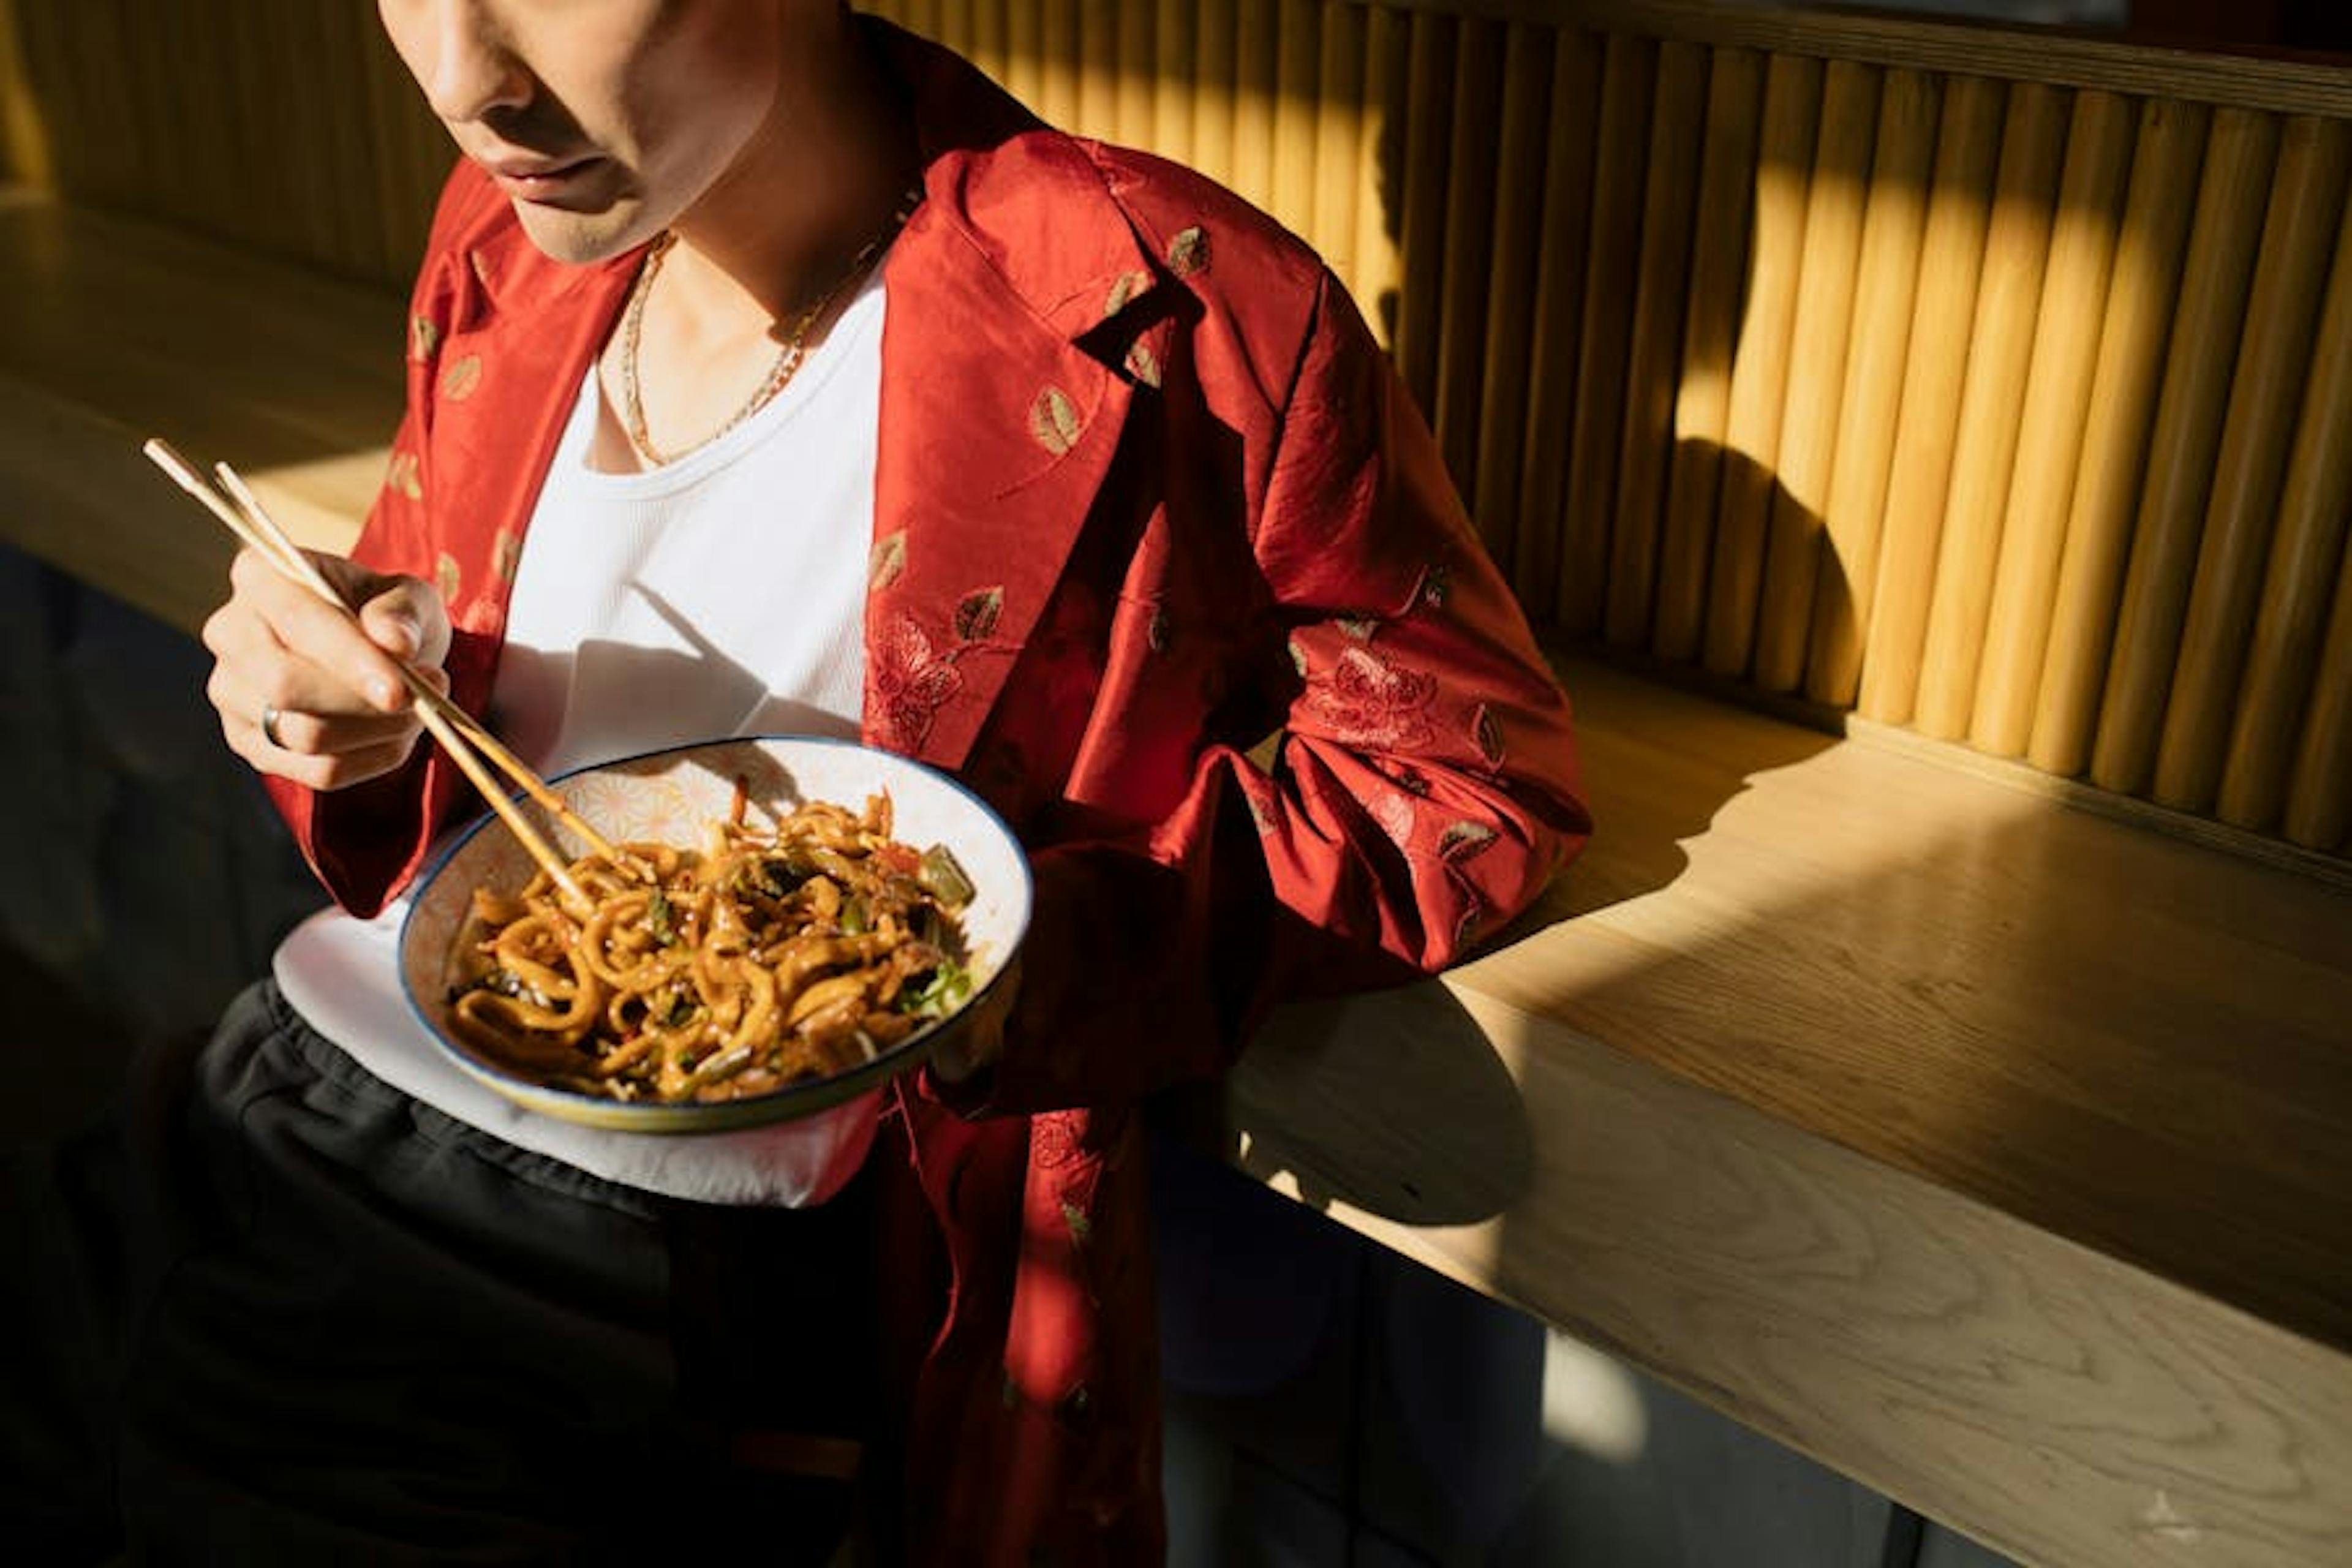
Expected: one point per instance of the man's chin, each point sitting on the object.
(583, 239)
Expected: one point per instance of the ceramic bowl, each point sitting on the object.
(670, 796)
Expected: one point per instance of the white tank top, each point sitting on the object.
(720, 594)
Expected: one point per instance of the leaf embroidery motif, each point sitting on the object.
(1189, 252)
(1054, 420)
(1155, 630)
(1143, 365)
(1489, 732)
(447, 577)
(1081, 1228)
(1394, 813)
(1357, 628)
(1473, 914)
(1463, 839)
(886, 562)
(976, 614)
(424, 337)
(505, 554)
(1123, 289)
(404, 477)
(457, 383)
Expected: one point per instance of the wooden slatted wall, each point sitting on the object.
(2013, 407)
(1995, 387)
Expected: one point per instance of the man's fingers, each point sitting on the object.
(253, 670)
(335, 771)
(319, 734)
(327, 681)
(402, 615)
(291, 620)
(300, 726)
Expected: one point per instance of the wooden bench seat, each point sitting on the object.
(1995, 1150)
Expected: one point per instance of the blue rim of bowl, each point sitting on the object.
(803, 1098)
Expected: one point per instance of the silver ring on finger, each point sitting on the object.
(270, 717)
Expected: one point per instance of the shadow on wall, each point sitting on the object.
(2027, 364)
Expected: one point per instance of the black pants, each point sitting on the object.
(276, 1312)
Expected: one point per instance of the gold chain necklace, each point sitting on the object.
(788, 359)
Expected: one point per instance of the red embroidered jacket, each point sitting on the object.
(1146, 492)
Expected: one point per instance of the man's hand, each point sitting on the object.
(327, 688)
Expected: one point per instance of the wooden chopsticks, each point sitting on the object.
(455, 730)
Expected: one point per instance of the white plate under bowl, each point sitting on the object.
(671, 796)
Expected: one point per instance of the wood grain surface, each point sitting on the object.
(1991, 1150)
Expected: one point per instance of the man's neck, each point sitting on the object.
(823, 176)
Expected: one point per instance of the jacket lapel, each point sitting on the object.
(997, 431)
(505, 385)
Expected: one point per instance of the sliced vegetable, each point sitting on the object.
(943, 879)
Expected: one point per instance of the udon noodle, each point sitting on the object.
(762, 958)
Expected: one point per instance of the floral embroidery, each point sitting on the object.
(423, 338)
(1189, 252)
(1375, 705)
(907, 684)
(1394, 813)
(1357, 628)
(1055, 1139)
(505, 554)
(1081, 1228)
(1054, 420)
(1261, 810)
(447, 578)
(457, 383)
(1431, 591)
(887, 561)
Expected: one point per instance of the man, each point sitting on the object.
(769, 369)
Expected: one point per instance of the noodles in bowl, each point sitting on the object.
(767, 951)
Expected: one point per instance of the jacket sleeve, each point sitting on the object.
(1424, 790)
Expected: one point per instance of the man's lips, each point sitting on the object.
(531, 177)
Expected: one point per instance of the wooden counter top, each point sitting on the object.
(1993, 1151)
